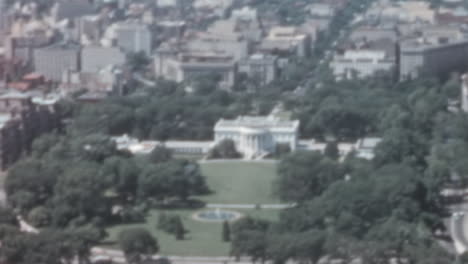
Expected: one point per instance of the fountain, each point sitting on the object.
(216, 215)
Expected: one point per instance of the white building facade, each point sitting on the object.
(257, 136)
(362, 62)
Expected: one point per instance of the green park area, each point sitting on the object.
(239, 182)
(201, 239)
(231, 183)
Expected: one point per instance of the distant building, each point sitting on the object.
(322, 10)
(258, 136)
(285, 42)
(254, 137)
(401, 12)
(96, 58)
(362, 58)
(71, 9)
(108, 80)
(25, 38)
(214, 7)
(262, 67)
(230, 44)
(52, 61)
(426, 57)
(132, 37)
(373, 33)
(361, 63)
(188, 65)
(177, 147)
(90, 29)
(365, 147)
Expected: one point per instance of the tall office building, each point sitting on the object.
(52, 61)
(130, 36)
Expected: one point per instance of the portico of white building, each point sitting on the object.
(259, 135)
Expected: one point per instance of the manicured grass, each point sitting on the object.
(240, 182)
(203, 239)
(233, 182)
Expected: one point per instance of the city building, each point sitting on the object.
(184, 66)
(213, 7)
(254, 137)
(52, 61)
(365, 147)
(95, 58)
(107, 80)
(285, 42)
(401, 12)
(230, 44)
(262, 67)
(25, 38)
(361, 63)
(130, 36)
(365, 59)
(243, 22)
(137, 147)
(257, 136)
(370, 34)
(324, 10)
(90, 29)
(71, 9)
(432, 57)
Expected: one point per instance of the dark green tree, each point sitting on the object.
(249, 237)
(226, 232)
(160, 154)
(225, 149)
(137, 244)
(331, 150)
(303, 175)
(179, 228)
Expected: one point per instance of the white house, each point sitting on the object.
(259, 135)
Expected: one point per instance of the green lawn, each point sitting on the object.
(232, 183)
(203, 239)
(240, 182)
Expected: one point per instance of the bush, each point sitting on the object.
(39, 216)
(132, 214)
(226, 149)
(171, 224)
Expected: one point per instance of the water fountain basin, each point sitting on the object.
(216, 215)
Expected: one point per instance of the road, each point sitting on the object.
(458, 226)
(118, 257)
(457, 231)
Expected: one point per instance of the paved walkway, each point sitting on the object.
(250, 206)
(458, 233)
(238, 160)
(98, 253)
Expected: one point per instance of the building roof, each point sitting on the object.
(70, 9)
(14, 95)
(257, 122)
(62, 46)
(47, 99)
(369, 142)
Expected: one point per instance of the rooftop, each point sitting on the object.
(258, 122)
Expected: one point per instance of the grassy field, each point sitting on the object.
(240, 182)
(232, 183)
(203, 239)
